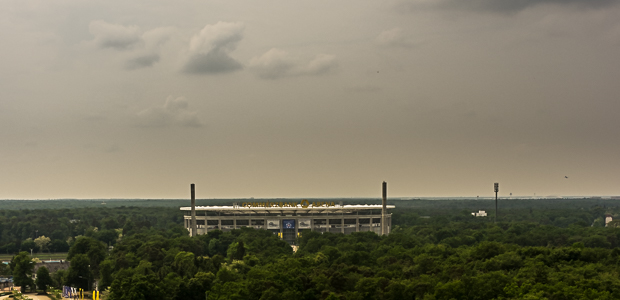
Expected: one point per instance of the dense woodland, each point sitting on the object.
(539, 249)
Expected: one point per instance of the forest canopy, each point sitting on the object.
(438, 250)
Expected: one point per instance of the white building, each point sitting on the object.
(480, 213)
(608, 219)
(288, 219)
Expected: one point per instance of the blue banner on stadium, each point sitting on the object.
(288, 224)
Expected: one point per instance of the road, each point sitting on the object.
(32, 296)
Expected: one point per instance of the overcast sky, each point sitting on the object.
(138, 99)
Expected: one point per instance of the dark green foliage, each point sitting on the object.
(79, 273)
(94, 250)
(44, 280)
(543, 249)
(59, 278)
(22, 267)
(105, 276)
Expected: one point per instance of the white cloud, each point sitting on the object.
(393, 38)
(113, 35)
(175, 112)
(277, 63)
(210, 48)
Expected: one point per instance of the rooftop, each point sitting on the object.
(304, 205)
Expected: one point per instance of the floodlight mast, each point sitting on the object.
(496, 185)
(193, 226)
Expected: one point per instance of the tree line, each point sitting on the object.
(431, 253)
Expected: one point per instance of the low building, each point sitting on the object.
(289, 219)
(480, 213)
(608, 218)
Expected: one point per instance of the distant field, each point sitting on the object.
(41, 256)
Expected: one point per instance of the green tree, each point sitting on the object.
(59, 246)
(42, 242)
(108, 236)
(105, 274)
(22, 267)
(59, 277)
(79, 272)
(136, 284)
(184, 264)
(92, 248)
(28, 245)
(44, 280)
(236, 251)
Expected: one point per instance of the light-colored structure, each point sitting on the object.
(289, 219)
(608, 218)
(480, 213)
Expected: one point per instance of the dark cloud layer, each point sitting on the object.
(505, 6)
(215, 61)
(143, 61)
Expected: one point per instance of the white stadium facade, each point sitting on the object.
(289, 219)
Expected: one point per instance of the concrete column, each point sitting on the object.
(206, 223)
(383, 210)
(296, 228)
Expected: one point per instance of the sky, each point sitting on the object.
(306, 99)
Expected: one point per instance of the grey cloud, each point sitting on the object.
(393, 38)
(156, 37)
(152, 41)
(113, 35)
(175, 112)
(142, 61)
(505, 6)
(211, 62)
(277, 63)
(145, 46)
(210, 48)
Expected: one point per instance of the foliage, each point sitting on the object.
(546, 249)
(42, 242)
(22, 267)
(79, 274)
(19, 296)
(55, 294)
(44, 280)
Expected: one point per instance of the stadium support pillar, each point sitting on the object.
(384, 202)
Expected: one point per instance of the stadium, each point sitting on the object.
(289, 219)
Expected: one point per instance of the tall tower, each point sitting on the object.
(193, 221)
(384, 202)
(496, 188)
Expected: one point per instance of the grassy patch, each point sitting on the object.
(40, 256)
